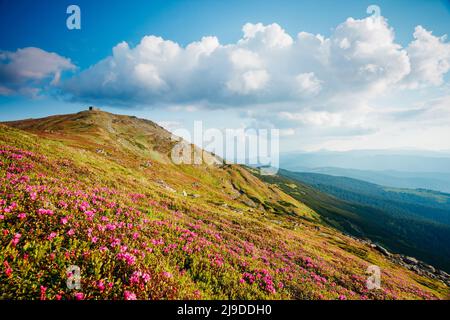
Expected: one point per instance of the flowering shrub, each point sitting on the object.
(137, 245)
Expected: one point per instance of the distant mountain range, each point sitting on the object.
(439, 181)
(400, 169)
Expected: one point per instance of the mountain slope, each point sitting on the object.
(142, 145)
(98, 191)
(413, 222)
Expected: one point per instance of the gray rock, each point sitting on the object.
(382, 250)
(250, 203)
(410, 260)
(429, 268)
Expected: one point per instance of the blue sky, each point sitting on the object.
(105, 24)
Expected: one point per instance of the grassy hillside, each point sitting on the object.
(413, 222)
(98, 191)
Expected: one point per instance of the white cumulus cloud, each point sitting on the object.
(359, 60)
(308, 84)
(26, 70)
(430, 59)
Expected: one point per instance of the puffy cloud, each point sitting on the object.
(154, 72)
(364, 57)
(308, 84)
(245, 59)
(252, 80)
(263, 37)
(430, 59)
(359, 60)
(26, 70)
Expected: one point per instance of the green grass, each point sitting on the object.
(189, 248)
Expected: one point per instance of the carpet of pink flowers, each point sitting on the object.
(129, 245)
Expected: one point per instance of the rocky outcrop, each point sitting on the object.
(421, 268)
(409, 263)
(165, 186)
(381, 249)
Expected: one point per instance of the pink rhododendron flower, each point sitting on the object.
(158, 242)
(51, 236)
(45, 212)
(115, 242)
(16, 239)
(146, 277)
(43, 291)
(128, 258)
(129, 295)
(84, 206)
(63, 204)
(8, 270)
(79, 296)
(90, 214)
(134, 279)
(100, 285)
